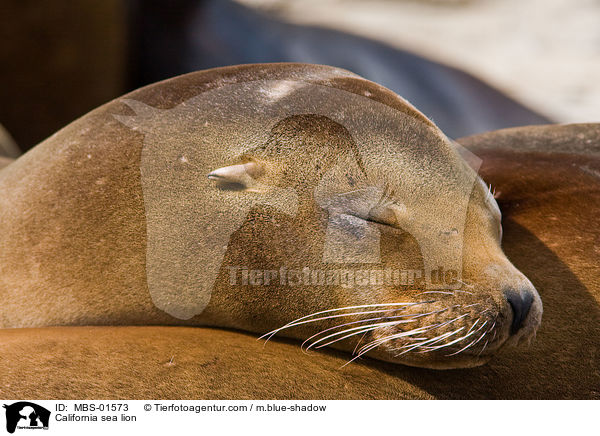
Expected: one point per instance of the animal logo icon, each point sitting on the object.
(26, 415)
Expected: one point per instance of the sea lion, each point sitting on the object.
(542, 176)
(236, 197)
(213, 33)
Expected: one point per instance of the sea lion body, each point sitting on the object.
(111, 220)
(542, 176)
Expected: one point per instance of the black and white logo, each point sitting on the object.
(26, 415)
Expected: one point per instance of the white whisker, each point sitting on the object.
(472, 343)
(430, 341)
(366, 329)
(358, 343)
(354, 322)
(419, 330)
(435, 292)
(474, 324)
(304, 320)
(368, 347)
(484, 345)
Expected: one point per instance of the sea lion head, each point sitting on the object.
(297, 199)
(393, 226)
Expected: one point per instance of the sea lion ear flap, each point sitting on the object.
(239, 177)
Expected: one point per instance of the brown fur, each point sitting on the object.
(105, 190)
(73, 202)
(74, 250)
(5, 161)
(550, 202)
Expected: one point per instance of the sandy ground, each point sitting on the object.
(545, 53)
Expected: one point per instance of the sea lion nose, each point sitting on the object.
(520, 302)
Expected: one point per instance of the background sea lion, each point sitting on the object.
(94, 53)
(111, 220)
(214, 33)
(542, 174)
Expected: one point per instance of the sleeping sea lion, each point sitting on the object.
(294, 199)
